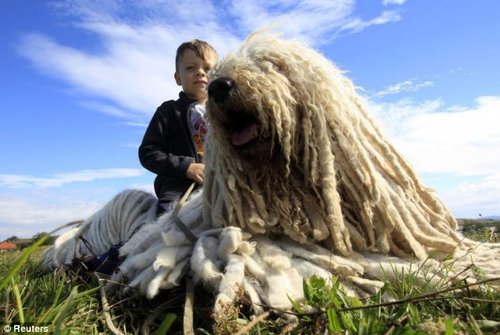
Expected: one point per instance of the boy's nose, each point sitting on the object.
(219, 89)
(201, 72)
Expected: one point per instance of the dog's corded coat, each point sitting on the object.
(315, 189)
(329, 173)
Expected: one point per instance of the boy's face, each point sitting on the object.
(192, 74)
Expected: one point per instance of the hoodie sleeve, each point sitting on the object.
(155, 150)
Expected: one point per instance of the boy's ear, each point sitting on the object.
(177, 78)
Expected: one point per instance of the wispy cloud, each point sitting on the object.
(27, 211)
(132, 72)
(33, 212)
(118, 77)
(60, 179)
(459, 141)
(19, 211)
(404, 87)
(480, 197)
(313, 21)
(393, 2)
(356, 25)
(456, 142)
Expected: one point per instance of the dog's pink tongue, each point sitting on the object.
(245, 136)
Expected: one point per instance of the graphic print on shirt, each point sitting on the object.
(198, 126)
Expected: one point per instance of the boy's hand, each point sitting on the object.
(195, 172)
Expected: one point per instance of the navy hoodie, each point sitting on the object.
(168, 149)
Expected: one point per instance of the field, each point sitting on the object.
(67, 302)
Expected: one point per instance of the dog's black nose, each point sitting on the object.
(219, 89)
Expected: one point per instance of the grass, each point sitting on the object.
(54, 300)
(67, 302)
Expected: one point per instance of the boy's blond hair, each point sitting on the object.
(201, 48)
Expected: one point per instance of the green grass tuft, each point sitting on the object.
(69, 304)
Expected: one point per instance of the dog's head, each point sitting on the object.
(250, 102)
(259, 96)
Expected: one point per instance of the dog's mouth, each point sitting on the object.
(243, 127)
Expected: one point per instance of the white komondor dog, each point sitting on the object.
(299, 181)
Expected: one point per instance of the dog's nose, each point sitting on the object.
(219, 89)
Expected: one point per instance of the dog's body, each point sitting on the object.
(293, 152)
(299, 181)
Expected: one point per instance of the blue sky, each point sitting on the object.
(80, 80)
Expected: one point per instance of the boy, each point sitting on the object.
(172, 146)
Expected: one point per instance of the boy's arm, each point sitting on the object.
(153, 153)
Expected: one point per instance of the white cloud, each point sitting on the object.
(357, 24)
(314, 21)
(458, 142)
(393, 2)
(29, 213)
(404, 87)
(461, 142)
(393, 114)
(23, 212)
(26, 212)
(130, 81)
(60, 179)
(469, 199)
(132, 72)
